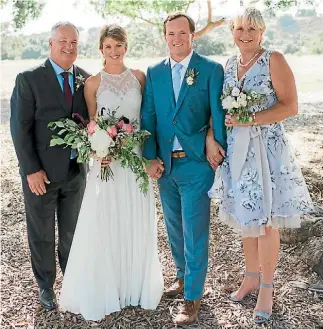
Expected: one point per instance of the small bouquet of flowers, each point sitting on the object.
(106, 137)
(235, 101)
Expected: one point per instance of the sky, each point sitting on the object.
(83, 15)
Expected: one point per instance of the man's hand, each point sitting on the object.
(36, 182)
(155, 169)
(214, 152)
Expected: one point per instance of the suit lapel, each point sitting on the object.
(194, 64)
(78, 89)
(54, 84)
(168, 82)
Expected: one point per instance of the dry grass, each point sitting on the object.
(294, 308)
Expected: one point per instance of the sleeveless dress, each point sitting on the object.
(113, 262)
(259, 183)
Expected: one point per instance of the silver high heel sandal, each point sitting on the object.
(261, 316)
(233, 295)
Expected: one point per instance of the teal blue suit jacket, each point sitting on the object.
(189, 117)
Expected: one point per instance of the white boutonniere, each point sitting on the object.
(79, 81)
(191, 76)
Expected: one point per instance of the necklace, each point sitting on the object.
(252, 58)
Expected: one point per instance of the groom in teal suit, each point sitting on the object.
(182, 94)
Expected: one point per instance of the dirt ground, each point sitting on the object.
(294, 308)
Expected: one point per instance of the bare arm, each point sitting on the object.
(90, 90)
(284, 84)
(141, 77)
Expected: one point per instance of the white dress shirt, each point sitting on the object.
(185, 62)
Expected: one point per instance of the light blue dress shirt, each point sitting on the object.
(58, 70)
(185, 62)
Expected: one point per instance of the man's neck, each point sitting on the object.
(61, 65)
(178, 59)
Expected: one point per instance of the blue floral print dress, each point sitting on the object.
(259, 183)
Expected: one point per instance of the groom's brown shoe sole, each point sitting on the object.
(176, 288)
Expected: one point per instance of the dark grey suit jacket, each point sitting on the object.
(38, 99)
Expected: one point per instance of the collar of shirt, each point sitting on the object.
(185, 62)
(58, 70)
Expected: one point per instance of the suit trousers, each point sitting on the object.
(63, 198)
(186, 208)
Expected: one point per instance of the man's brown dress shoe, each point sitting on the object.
(188, 312)
(176, 288)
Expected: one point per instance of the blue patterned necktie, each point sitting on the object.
(177, 79)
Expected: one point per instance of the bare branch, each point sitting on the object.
(146, 20)
(209, 11)
(209, 27)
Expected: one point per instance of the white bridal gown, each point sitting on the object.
(113, 262)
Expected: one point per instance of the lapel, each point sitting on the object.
(194, 64)
(168, 82)
(54, 84)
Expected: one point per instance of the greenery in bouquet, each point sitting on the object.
(108, 136)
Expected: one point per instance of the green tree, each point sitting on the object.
(23, 10)
(152, 10)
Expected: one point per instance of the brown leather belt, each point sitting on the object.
(178, 154)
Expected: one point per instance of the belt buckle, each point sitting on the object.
(178, 155)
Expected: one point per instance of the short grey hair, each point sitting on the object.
(63, 23)
(251, 15)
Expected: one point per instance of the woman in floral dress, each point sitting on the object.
(260, 187)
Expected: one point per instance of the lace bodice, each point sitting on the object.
(120, 91)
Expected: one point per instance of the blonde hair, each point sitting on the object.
(252, 16)
(115, 32)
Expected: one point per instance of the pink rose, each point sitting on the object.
(128, 128)
(91, 127)
(120, 124)
(112, 131)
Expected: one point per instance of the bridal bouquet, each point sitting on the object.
(235, 101)
(106, 137)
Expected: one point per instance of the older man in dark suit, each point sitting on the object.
(52, 180)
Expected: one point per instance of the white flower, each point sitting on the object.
(243, 96)
(242, 102)
(227, 102)
(235, 104)
(235, 92)
(100, 142)
(189, 80)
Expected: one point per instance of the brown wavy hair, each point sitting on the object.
(115, 32)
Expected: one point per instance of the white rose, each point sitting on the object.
(243, 103)
(243, 96)
(235, 92)
(190, 81)
(227, 103)
(100, 142)
(235, 104)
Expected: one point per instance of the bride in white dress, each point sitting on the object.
(113, 262)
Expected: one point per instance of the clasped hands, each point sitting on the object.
(214, 152)
(155, 168)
